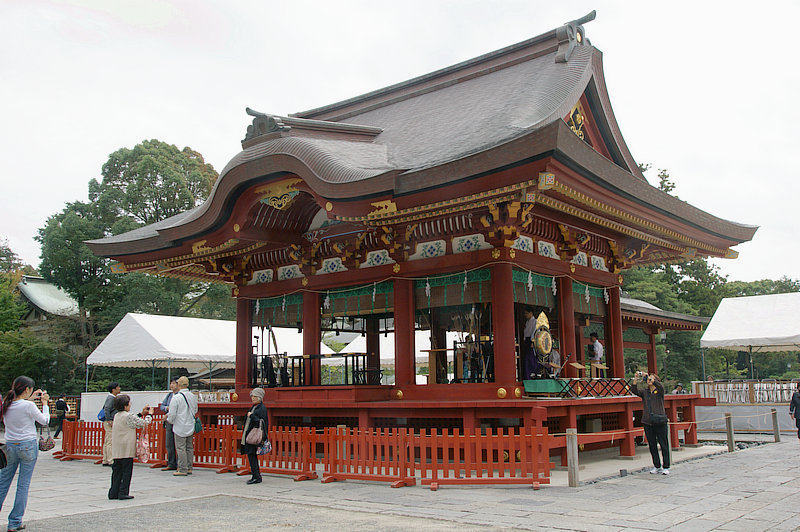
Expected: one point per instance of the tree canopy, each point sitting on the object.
(141, 185)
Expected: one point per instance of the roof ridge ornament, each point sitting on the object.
(571, 35)
(263, 124)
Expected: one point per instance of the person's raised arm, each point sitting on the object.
(43, 417)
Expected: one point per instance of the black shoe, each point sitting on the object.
(125, 497)
(20, 527)
(110, 498)
(254, 481)
(106, 465)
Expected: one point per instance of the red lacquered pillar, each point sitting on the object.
(566, 324)
(404, 368)
(311, 338)
(244, 345)
(614, 337)
(505, 366)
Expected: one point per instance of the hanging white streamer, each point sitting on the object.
(283, 304)
(427, 287)
(258, 306)
(605, 295)
(587, 293)
(374, 289)
(327, 303)
(530, 281)
(554, 286)
(465, 280)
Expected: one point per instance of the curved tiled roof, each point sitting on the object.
(503, 107)
(47, 297)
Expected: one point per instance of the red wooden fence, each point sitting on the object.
(399, 456)
(367, 454)
(498, 456)
(293, 453)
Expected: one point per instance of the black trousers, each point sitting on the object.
(121, 472)
(797, 423)
(59, 426)
(252, 457)
(657, 435)
(169, 442)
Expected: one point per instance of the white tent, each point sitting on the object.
(422, 341)
(755, 323)
(149, 341)
(144, 340)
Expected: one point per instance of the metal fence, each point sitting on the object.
(762, 391)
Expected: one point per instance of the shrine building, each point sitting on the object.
(450, 203)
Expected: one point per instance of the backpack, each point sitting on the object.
(102, 414)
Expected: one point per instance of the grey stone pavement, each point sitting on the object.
(753, 489)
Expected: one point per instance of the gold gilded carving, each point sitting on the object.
(280, 194)
(382, 208)
(576, 120)
(731, 254)
(396, 268)
(501, 393)
(542, 321)
(329, 206)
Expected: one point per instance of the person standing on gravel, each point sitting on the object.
(794, 408)
(654, 418)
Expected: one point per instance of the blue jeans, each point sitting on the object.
(24, 455)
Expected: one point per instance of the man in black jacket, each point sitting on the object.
(61, 412)
(654, 418)
(794, 408)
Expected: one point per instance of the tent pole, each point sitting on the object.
(169, 372)
(153, 376)
(87, 375)
(210, 365)
(703, 360)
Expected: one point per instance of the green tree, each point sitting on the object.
(145, 184)
(11, 308)
(152, 181)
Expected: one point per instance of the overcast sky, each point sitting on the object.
(706, 90)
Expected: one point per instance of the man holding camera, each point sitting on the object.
(654, 418)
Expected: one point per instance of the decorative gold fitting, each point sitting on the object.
(398, 394)
(517, 392)
(501, 393)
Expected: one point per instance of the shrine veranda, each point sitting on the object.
(449, 203)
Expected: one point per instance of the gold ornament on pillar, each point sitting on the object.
(234, 397)
(501, 393)
(398, 394)
(517, 392)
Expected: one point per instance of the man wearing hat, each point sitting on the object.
(257, 418)
(181, 414)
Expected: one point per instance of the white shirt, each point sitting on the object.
(182, 409)
(598, 351)
(530, 328)
(21, 418)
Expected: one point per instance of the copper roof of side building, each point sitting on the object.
(497, 110)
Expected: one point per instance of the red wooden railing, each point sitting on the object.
(293, 453)
(498, 456)
(367, 454)
(399, 456)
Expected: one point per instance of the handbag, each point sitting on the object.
(45, 444)
(143, 449)
(102, 414)
(264, 448)
(256, 435)
(3, 458)
(198, 425)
